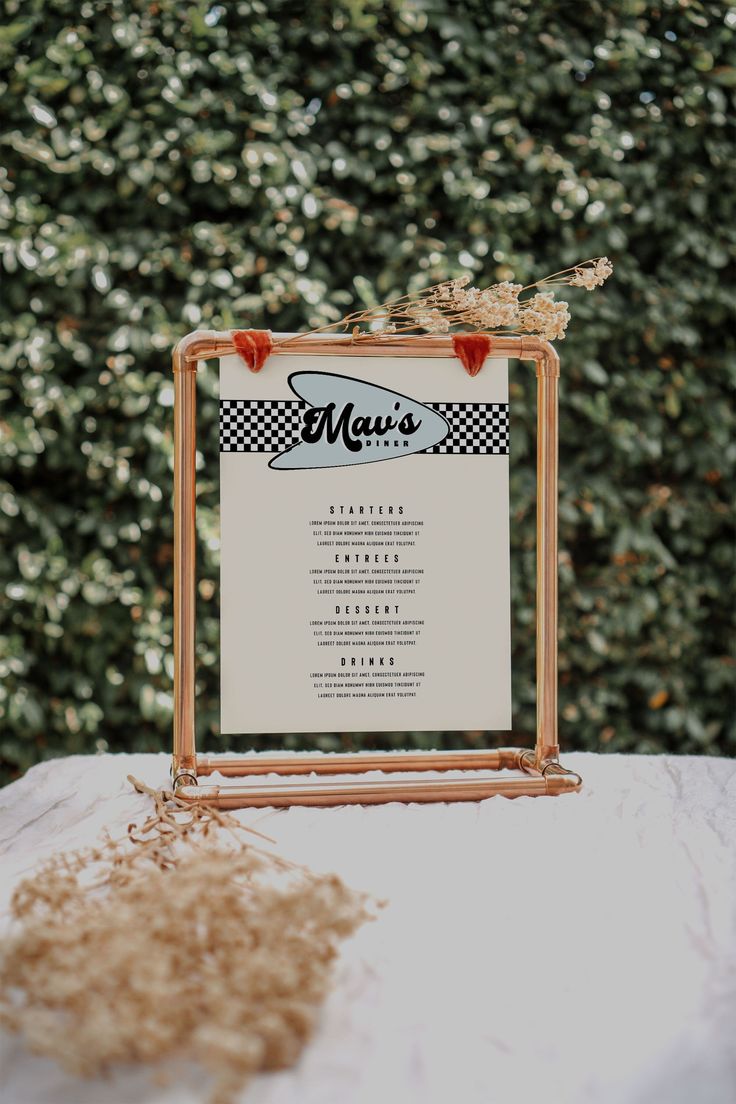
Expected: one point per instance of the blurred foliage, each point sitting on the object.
(170, 165)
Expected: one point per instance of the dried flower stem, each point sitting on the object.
(452, 305)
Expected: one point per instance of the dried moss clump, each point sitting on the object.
(182, 941)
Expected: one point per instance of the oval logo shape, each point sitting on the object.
(351, 421)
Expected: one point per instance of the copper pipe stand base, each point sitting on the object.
(546, 777)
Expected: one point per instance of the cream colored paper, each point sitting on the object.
(284, 669)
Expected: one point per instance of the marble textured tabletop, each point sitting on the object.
(580, 950)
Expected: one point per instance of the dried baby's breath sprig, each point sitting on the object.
(454, 305)
(182, 941)
(592, 274)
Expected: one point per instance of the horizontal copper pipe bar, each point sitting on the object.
(206, 344)
(327, 794)
(360, 762)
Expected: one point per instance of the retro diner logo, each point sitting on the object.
(350, 421)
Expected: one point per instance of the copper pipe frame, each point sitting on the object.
(540, 770)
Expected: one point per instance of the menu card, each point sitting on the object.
(365, 545)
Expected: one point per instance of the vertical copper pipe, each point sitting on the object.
(185, 400)
(548, 372)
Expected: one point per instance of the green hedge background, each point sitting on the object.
(173, 165)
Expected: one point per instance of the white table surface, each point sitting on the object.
(577, 950)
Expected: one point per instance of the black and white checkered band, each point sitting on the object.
(255, 425)
(481, 428)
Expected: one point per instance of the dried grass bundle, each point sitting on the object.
(182, 941)
(453, 305)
